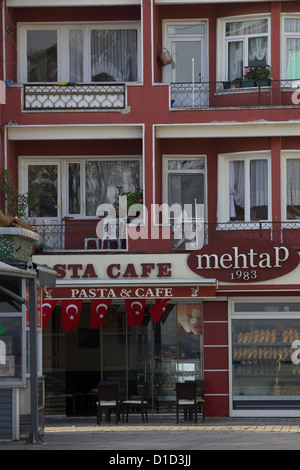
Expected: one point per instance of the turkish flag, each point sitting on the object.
(135, 311)
(99, 309)
(70, 314)
(47, 308)
(158, 309)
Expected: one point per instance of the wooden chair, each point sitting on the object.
(108, 399)
(200, 391)
(186, 398)
(140, 403)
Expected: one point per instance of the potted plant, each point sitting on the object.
(255, 75)
(237, 82)
(226, 85)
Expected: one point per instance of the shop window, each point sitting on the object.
(244, 191)
(265, 378)
(291, 50)
(246, 42)
(89, 53)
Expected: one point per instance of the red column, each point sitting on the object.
(215, 363)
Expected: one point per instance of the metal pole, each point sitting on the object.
(34, 436)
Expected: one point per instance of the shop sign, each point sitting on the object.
(243, 261)
(121, 292)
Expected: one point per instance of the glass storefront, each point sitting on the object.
(265, 374)
(161, 353)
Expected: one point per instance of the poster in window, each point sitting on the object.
(189, 318)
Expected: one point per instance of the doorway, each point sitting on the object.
(187, 73)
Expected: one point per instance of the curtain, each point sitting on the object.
(258, 183)
(243, 28)
(114, 55)
(293, 182)
(76, 55)
(257, 51)
(236, 186)
(235, 60)
(102, 179)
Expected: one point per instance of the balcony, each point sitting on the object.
(80, 236)
(207, 95)
(55, 97)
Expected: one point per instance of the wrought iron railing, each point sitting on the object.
(82, 236)
(39, 97)
(204, 95)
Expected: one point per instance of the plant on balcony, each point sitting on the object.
(257, 74)
(133, 197)
(16, 203)
(237, 82)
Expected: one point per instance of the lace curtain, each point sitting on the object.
(293, 182)
(258, 185)
(114, 55)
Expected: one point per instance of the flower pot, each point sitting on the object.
(265, 83)
(226, 85)
(238, 85)
(248, 83)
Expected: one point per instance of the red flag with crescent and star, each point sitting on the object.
(135, 311)
(158, 309)
(99, 309)
(47, 308)
(70, 314)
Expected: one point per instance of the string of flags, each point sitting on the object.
(71, 311)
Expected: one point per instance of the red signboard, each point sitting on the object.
(244, 261)
(131, 292)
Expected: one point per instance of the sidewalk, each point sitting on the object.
(164, 434)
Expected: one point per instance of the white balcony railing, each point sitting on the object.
(39, 97)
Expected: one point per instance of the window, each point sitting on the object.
(244, 187)
(87, 53)
(95, 182)
(185, 181)
(82, 184)
(291, 186)
(291, 51)
(265, 378)
(43, 182)
(246, 44)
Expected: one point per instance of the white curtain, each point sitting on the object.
(258, 183)
(76, 55)
(293, 182)
(235, 60)
(236, 186)
(257, 51)
(114, 55)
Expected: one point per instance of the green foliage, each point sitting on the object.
(16, 203)
(260, 73)
(133, 197)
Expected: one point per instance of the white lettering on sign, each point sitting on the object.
(243, 261)
(98, 292)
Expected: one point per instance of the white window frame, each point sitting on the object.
(222, 43)
(287, 155)
(62, 183)
(63, 46)
(24, 163)
(223, 185)
(166, 172)
(284, 37)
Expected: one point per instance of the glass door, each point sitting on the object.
(187, 73)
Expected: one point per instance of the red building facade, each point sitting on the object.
(154, 94)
